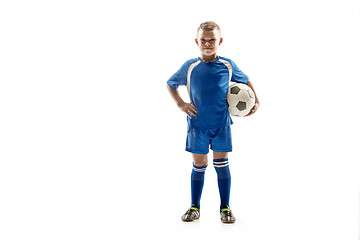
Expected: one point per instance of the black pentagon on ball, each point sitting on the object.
(235, 90)
(241, 105)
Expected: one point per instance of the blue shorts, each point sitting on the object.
(219, 140)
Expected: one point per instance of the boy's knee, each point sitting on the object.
(200, 160)
(218, 155)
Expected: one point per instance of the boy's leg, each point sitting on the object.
(197, 177)
(218, 155)
(221, 165)
(197, 142)
(197, 183)
(200, 159)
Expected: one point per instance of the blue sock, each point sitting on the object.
(224, 180)
(197, 183)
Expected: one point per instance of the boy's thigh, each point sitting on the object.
(221, 141)
(197, 142)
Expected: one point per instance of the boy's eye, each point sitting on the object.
(211, 40)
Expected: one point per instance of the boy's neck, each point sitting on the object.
(209, 58)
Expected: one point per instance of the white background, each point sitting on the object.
(92, 145)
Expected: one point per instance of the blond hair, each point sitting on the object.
(208, 26)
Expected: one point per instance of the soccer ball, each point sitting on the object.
(240, 99)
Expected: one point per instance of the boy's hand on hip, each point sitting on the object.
(188, 108)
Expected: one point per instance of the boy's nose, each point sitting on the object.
(207, 44)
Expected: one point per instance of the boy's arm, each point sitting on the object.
(187, 108)
(257, 103)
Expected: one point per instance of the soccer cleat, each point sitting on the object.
(226, 215)
(193, 213)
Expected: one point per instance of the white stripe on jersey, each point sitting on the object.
(191, 67)
(228, 65)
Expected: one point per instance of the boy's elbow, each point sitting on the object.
(169, 86)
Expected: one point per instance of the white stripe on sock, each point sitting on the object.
(199, 169)
(222, 165)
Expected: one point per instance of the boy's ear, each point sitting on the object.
(221, 40)
(197, 43)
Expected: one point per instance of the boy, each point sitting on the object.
(207, 80)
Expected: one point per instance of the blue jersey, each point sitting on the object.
(207, 84)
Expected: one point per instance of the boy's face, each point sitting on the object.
(208, 42)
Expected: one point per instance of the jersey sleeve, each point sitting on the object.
(238, 75)
(180, 77)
